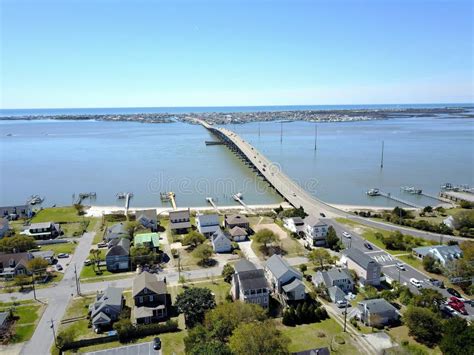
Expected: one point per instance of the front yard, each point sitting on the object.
(27, 315)
(288, 245)
(400, 334)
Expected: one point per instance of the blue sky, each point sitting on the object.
(216, 53)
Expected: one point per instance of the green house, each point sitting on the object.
(151, 240)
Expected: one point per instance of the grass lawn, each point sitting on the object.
(400, 334)
(78, 307)
(323, 334)
(58, 215)
(67, 248)
(219, 287)
(88, 271)
(27, 314)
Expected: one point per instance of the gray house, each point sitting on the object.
(4, 227)
(118, 256)
(115, 232)
(151, 299)
(366, 268)
(207, 224)
(236, 220)
(279, 274)
(377, 312)
(249, 284)
(14, 264)
(15, 212)
(148, 219)
(180, 221)
(338, 282)
(106, 308)
(221, 242)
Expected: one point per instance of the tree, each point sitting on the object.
(131, 227)
(204, 252)
(370, 292)
(320, 256)
(458, 338)
(428, 209)
(79, 209)
(17, 244)
(194, 302)
(265, 236)
(141, 255)
(428, 298)
(213, 347)
(37, 265)
(95, 259)
(194, 239)
(227, 272)
(332, 240)
(21, 280)
(65, 337)
(430, 264)
(424, 325)
(303, 268)
(258, 338)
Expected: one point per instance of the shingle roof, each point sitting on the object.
(152, 238)
(293, 285)
(150, 281)
(278, 266)
(336, 293)
(338, 274)
(378, 305)
(359, 257)
(101, 317)
(446, 251)
(43, 254)
(149, 214)
(117, 228)
(252, 279)
(121, 248)
(244, 265)
(313, 221)
(236, 219)
(208, 220)
(41, 225)
(183, 214)
(237, 231)
(16, 257)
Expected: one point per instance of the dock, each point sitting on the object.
(239, 200)
(169, 197)
(389, 196)
(210, 200)
(128, 196)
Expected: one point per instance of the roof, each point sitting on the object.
(378, 305)
(359, 257)
(149, 214)
(16, 257)
(41, 225)
(183, 214)
(3, 317)
(219, 234)
(318, 351)
(237, 231)
(43, 254)
(278, 266)
(252, 279)
(337, 274)
(446, 251)
(335, 293)
(314, 222)
(117, 228)
(152, 238)
(236, 219)
(150, 281)
(244, 265)
(180, 225)
(101, 317)
(293, 285)
(297, 220)
(143, 312)
(121, 248)
(112, 296)
(206, 220)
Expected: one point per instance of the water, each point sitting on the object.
(58, 158)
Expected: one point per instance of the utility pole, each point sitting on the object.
(78, 286)
(345, 315)
(315, 135)
(33, 283)
(381, 160)
(54, 333)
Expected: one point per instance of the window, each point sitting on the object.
(140, 299)
(150, 298)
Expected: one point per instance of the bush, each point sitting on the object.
(126, 331)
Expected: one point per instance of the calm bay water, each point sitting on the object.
(59, 158)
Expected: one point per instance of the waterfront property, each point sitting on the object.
(366, 268)
(180, 221)
(207, 224)
(315, 231)
(149, 240)
(249, 284)
(14, 264)
(238, 234)
(338, 282)
(148, 219)
(15, 212)
(150, 297)
(118, 256)
(44, 230)
(442, 253)
(377, 312)
(236, 220)
(221, 242)
(294, 224)
(106, 308)
(115, 232)
(280, 274)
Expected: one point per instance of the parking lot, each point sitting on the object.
(137, 349)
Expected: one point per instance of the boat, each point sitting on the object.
(35, 200)
(411, 190)
(373, 192)
(238, 196)
(447, 186)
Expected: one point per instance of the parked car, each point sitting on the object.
(400, 266)
(157, 343)
(453, 292)
(63, 255)
(59, 267)
(341, 303)
(415, 282)
(102, 245)
(437, 283)
(347, 235)
(458, 305)
(448, 311)
(87, 262)
(322, 214)
(368, 246)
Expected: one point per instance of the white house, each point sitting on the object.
(221, 242)
(294, 224)
(338, 282)
(315, 231)
(280, 274)
(442, 253)
(207, 224)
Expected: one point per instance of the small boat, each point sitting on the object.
(373, 192)
(121, 195)
(35, 200)
(411, 190)
(238, 196)
(447, 186)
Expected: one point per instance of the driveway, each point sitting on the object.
(137, 349)
(248, 252)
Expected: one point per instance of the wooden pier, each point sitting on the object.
(128, 196)
(389, 196)
(210, 200)
(239, 200)
(168, 197)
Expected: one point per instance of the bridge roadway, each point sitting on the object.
(295, 194)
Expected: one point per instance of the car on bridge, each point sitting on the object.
(368, 246)
(347, 235)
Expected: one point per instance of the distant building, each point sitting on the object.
(442, 253)
(236, 220)
(280, 274)
(339, 282)
(150, 297)
(366, 268)
(180, 221)
(294, 224)
(44, 230)
(115, 232)
(118, 256)
(14, 264)
(106, 308)
(238, 234)
(148, 219)
(315, 231)
(377, 312)
(207, 224)
(4, 227)
(15, 212)
(221, 242)
(149, 240)
(249, 284)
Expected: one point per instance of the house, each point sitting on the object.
(15, 212)
(221, 242)
(317, 351)
(148, 219)
(14, 264)
(4, 227)
(150, 240)
(47, 255)
(44, 230)
(339, 282)
(249, 284)
(106, 308)
(315, 231)
(279, 274)
(294, 224)
(115, 232)
(150, 298)
(377, 312)
(442, 253)
(207, 224)
(366, 268)
(450, 222)
(180, 221)
(238, 234)
(4, 321)
(118, 256)
(236, 220)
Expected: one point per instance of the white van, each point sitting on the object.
(415, 282)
